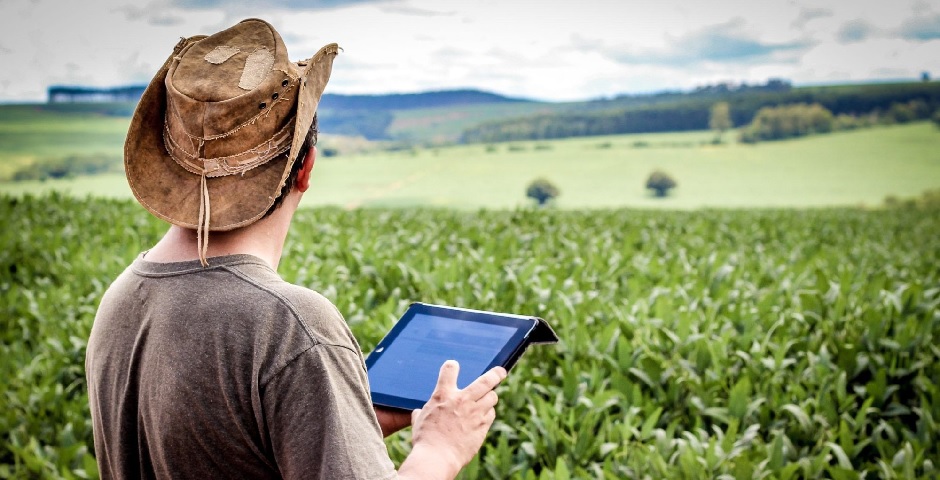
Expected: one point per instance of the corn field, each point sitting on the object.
(709, 344)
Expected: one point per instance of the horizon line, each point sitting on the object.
(833, 83)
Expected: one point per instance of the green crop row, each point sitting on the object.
(709, 344)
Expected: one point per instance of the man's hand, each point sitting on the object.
(451, 427)
(391, 420)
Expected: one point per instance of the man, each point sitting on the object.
(203, 362)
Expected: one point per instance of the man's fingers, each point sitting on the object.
(447, 379)
(490, 399)
(490, 416)
(414, 415)
(487, 382)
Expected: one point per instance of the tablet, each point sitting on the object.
(404, 367)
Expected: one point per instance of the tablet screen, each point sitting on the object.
(406, 364)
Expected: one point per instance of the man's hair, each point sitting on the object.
(309, 141)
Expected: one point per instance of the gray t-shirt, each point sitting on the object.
(227, 372)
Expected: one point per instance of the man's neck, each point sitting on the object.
(263, 239)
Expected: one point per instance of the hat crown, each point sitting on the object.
(231, 63)
(231, 101)
(222, 82)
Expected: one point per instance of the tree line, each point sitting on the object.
(906, 101)
(800, 119)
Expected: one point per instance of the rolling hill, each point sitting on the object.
(474, 116)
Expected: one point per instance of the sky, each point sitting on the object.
(546, 50)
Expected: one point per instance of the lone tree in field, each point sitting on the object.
(720, 120)
(660, 182)
(542, 191)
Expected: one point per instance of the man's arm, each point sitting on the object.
(319, 418)
(326, 427)
(391, 420)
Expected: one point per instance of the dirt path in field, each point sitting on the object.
(391, 187)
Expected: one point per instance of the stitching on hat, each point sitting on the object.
(250, 121)
(220, 54)
(171, 107)
(223, 166)
(257, 66)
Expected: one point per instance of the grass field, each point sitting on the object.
(31, 133)
(840, 169)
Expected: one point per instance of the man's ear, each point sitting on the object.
(303, 176)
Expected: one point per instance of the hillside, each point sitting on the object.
(471, 116)
(677, 111)
(468, 116)
(410, 101)
(405, 117)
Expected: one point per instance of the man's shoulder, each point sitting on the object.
(307, 302)
(309, 309)
(242, 290)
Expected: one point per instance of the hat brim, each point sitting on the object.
(313, 81)
(173, 194)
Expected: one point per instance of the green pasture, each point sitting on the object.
(34, 133)
(840, 169)
(853, 168)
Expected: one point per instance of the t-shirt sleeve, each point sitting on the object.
(321, 420)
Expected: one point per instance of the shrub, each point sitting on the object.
(847, 122)
(328, 152)
(902, 113)
(660, 182)
(928, 200)
(68, 167)
(788, 121)
(905, 112)
(542, 190)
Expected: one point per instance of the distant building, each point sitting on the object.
(72, 94)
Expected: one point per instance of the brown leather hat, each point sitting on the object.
(215, 133)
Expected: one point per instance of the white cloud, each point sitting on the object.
(548, 49)
(876, 58)
(105, 43)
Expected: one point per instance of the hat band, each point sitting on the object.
(230, 164)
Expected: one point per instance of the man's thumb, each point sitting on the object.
(448, 376)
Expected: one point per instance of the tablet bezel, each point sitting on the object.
(506, 357)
